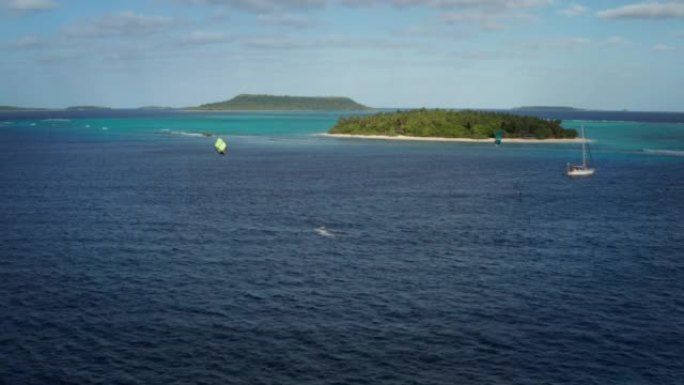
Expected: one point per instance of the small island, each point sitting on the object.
(247, 102)
(426, 124)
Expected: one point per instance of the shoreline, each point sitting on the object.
(461, 140)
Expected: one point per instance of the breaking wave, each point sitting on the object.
(186, 133)
(322, 231)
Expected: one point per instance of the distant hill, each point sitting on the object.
(13, 108)
(86, 108)
(246, 102)
(548, 108)
(154, 108)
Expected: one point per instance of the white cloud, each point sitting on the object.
(490, 14)
(616, 40)
(269, 6)
(329, 42)
(562, 43)
(645, 11)
(464, 17)
(261, 6)
(203, 38)
(121, 24)
(29, 5)
(573, 10)
(27, 42)
(499, 4)
(478, 55)
(663, 48)
(487, 21)
(287, 43)
(492, 4)
(287, 20)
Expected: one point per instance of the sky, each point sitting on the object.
(599, 54)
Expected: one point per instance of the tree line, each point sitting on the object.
(452, 124)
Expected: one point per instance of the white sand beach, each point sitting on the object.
(465, 140)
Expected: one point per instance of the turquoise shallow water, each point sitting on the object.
(634, 136)
(649, 138)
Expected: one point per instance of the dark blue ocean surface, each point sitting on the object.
(139, 259)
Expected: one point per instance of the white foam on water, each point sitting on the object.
(193, 134)
(664, 152)
(185, 133)
(322, 231)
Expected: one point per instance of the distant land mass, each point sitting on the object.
(13, 108)
(155, 108)
(247, 102)
(548, 108)
(440, 123)
(86, 108)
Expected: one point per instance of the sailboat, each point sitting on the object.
(580, 170)
(220, 146)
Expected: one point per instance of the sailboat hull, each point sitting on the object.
(580, 172)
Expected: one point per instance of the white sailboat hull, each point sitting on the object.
(579, 172)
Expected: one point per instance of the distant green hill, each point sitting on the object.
(154, 108)
(86, 108)
(547, 108)
(246, 102)
(452, 124)
(13, 108)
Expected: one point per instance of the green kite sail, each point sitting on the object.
(220, 146)
(498, 138)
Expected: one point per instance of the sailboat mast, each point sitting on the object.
(584, 149)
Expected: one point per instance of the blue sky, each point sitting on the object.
(382, 53)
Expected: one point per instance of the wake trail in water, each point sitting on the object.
(664, 152)
(187, 133)
(324, 232)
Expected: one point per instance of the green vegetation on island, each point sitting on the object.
(452, 124)
(247, 102)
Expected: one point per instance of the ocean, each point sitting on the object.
(131, 253)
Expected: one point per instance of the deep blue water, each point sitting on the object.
(128, 256)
